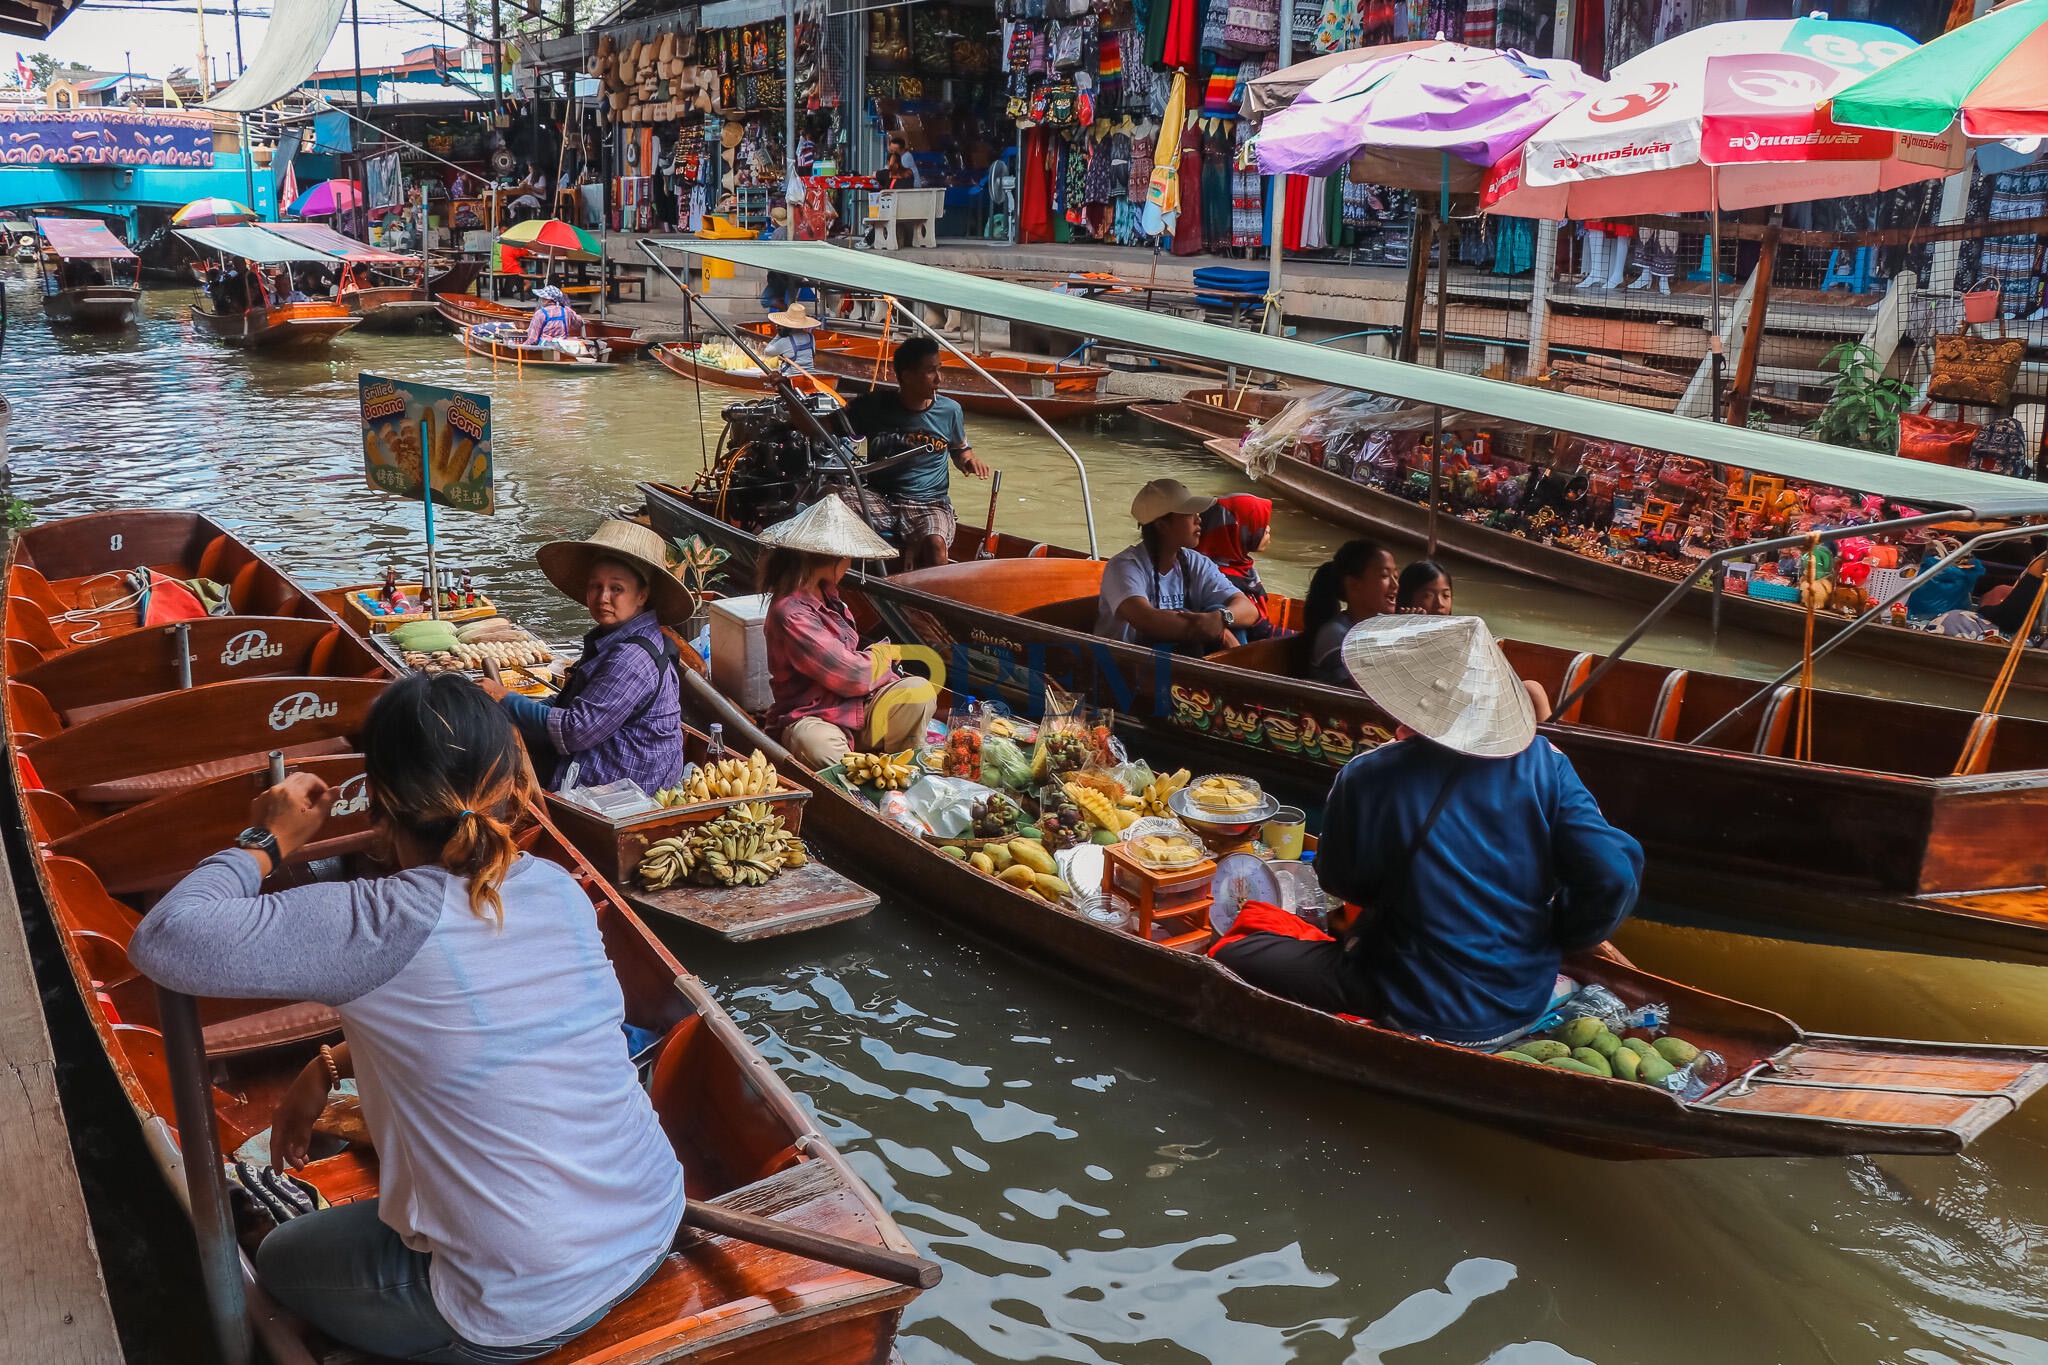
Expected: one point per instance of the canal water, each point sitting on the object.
(1102, 1187)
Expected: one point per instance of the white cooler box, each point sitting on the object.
(739, 650)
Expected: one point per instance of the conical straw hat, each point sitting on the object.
(567, 565)
(829, 527)
(1444, 678)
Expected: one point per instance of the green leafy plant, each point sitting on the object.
(696, 561)
(1863, 412)
(17, 515)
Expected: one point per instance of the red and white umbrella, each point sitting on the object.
(1725, 117)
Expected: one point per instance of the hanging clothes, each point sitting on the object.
(1215, 25)
(1187, 233)
(1217, 204)
(1514, 245)
(1035, 193)
(1479, 22)
(1183, 34)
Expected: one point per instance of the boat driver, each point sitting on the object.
(1480, 856)
(910, 501)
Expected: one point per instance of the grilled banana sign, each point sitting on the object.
(249, 645)
(299, 706)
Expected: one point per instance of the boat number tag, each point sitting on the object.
(114, 543)
(301, 706)
(250, 644)
(351, 798)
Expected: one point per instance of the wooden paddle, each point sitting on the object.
(995, 490)
(895, 1266)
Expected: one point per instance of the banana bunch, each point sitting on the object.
(729, 777)
(744, 847)
(891, 772)
(1161, 788)
(1102, 812)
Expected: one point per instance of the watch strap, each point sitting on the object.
(258, 838)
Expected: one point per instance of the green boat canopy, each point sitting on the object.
(251, 243)
(1987, 496)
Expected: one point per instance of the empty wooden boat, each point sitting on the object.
(1212, 414)
(1872, 838)
(90, 278)
(135, 751)
(1789, 1093)
(462, 311)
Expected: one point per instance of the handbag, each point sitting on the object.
(1933, 440)
(2001, 448)
(1972, 369)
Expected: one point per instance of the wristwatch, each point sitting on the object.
(257, 837)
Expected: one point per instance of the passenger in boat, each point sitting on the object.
(1477, 853)
(619, 713)
(1424, 589)
(1355, 584)
(831, 696)
(911, 501)
(1162, 591)
(793, 341)
(1237, 526)
(554, 320)
(526, 1184)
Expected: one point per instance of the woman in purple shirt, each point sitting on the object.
(620, 712)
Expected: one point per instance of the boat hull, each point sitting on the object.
(677, 359)
(392, 309)
(294, 326)
(467, 310)
(98, 306)
(524, 356)
(1207, 414)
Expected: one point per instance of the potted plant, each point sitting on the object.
(695, 561)
(1863, 413)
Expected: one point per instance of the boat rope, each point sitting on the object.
(697, 384)
(1809, 593)
(124, 602)
(888, 324)
(1980, 735)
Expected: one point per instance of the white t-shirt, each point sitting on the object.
(1194, 583)
(515, 1143)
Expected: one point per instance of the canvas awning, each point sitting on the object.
(252, 243)
(1989, 496)
(77, 239)
(293, 44)
(321, 237)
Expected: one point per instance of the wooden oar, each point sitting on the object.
(995, 490)
(882, 1263)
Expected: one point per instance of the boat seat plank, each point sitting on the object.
(50, 816)
(144, 662)
(190, 727)
(128, 791)
(21, 656)
(279, 1026)
(1073, 613)
(1904, 1109)
(1931, 1069)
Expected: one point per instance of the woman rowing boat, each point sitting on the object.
(526, 1185)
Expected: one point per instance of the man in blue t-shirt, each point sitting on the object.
(1162, 591)
(915, 431)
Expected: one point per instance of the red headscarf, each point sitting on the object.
(1226, 527)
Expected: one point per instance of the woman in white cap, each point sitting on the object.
(831, 696)
(1477, 853)
(793, 341)
(619, 713)
(1163, 590)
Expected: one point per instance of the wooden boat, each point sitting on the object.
(680, 357)
(1873, 838)
(499, 341)
(365, 287)
(89, 275)
(125, 779)
(1055, 390)
(1790, 1093)
(464, 311)
(288, 326)
(1210, 414)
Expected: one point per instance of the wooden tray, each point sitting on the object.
(363, 619)
(795, 899)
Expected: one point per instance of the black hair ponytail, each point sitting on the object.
(1326, 589)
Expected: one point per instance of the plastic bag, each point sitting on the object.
(944, 805)
(1004, 764)
(1065, 742)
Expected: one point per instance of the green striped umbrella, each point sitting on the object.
(1988, 74)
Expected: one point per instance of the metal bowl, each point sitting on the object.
(1205, 821)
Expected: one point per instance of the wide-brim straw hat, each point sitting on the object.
(1446, 679)
(797, 316)
(567, 564)
(829, 527)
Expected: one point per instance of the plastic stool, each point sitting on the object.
(1854, 277)
(1706, 270)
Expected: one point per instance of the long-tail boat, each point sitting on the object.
(265, 326)
(1871, 836)
(134, 751)
(1788, 1093)
(463, 311)
(90, 277)
(365, 287)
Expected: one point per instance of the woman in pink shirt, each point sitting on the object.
(831, 696)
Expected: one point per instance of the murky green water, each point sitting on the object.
(1102, 1187)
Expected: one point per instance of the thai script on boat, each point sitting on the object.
(299, 706)
(104, 137)
(350, 798)
(250, 644)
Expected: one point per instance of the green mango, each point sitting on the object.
(1654, 1070)
(1625, 1063)
(1105, 836)
(1606, 1044)
(1580, 1031)
(1543, 1049)
(1593, 1059)
(1676, 1051)
(1640, 1046)
(953, 851)
(1573, 1064)
(1514, 1056)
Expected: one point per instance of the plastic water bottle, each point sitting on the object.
(1697, 1076)
(714, 747)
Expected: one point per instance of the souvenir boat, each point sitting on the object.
(1789, 1092)
(135, 751)
(89, 275)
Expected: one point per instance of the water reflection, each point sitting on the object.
(1104, 1188)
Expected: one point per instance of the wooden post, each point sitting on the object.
(1418, 278)
(1737, 410)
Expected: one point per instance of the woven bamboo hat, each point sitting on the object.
(567, 564)
(1444, 678)
(829, 527)
(797, 316)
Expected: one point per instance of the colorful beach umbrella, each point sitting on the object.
(1985, 76)
(564, 241)
(212, 213)
(326, 199)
